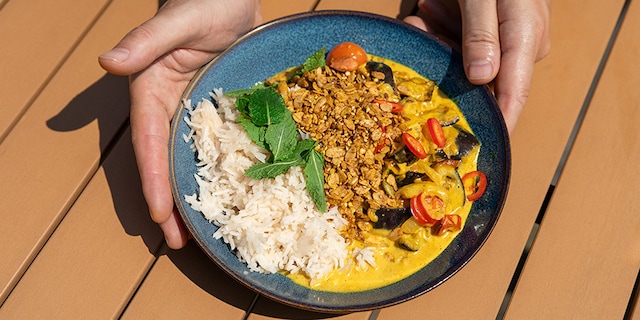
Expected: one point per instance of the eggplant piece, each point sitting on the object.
(410, 177)
(404, 155)
(384, 69)
(391, 218)
(465, 142)
(440, 155)
(411, 242)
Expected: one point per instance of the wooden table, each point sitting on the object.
(76, 240)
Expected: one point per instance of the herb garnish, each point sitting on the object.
(270, 125)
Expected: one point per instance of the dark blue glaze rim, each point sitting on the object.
(386, 37)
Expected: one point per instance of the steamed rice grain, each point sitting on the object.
(271, 224)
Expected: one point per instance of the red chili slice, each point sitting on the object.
(395, 107)
(414, 145)
(475, 183)
(383, 140)
(451, 223)
(436, 133)
(427, 210)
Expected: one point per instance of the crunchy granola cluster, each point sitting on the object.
(355, 131)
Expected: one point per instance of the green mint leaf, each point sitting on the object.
(245, 92)
(282, 137)
(242, 104)
(264, 170)
(314, 178)
(316, 60)
(255, 133)
(304, 146)
(266, 107)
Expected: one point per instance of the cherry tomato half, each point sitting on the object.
(414, 145)
(346, 56)
(426, 209)
(450, 222)
(436, 133)
(475, 183)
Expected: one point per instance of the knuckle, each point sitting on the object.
(480, 38)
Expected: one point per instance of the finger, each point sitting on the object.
(175, 234)
(424, 25)
(523, 43)
(150, 118)
(480, 40)
(144, 44)
(443, 17)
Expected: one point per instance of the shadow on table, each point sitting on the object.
(107, 102)
(197, 266)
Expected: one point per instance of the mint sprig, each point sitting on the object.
(269, 124)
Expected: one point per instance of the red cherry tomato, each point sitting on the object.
(475, 183)
(427, 210)
(346, 56)
(414, 145)
(436, 133)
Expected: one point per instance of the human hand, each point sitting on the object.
(500, 41)
(161, 56)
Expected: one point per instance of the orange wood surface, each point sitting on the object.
(55, 147)
(77, 241)
(592, 220)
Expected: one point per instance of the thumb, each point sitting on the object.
(480, 40)
(143, 45)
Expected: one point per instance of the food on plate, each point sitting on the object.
(345, 173)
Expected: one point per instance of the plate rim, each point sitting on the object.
(179, 202)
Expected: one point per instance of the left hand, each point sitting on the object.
(162, 55)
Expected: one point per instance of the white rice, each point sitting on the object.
(271, 224)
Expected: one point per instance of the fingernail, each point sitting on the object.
(117, 55)
(480, 70)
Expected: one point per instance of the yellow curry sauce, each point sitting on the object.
(394, 262)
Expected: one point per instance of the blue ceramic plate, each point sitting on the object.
(287, 42)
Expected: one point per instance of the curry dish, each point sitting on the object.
(399, 162)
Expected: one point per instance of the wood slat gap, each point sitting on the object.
(562, 162)
(587, 101)
(55, 69)
(632, 306)
(161, 248)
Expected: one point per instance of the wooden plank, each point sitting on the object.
(559, 86)
(269, 309)
(44, 40)
(273, 9)
(55, 147)
(99, 253)
(390, 8)
(186, 284)
(585, 259)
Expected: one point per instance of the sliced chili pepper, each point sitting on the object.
(395, 107)
(414, 145)
(475, 183)
(451, 223)
(436, 133)
(383, 140)
(427, 210)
